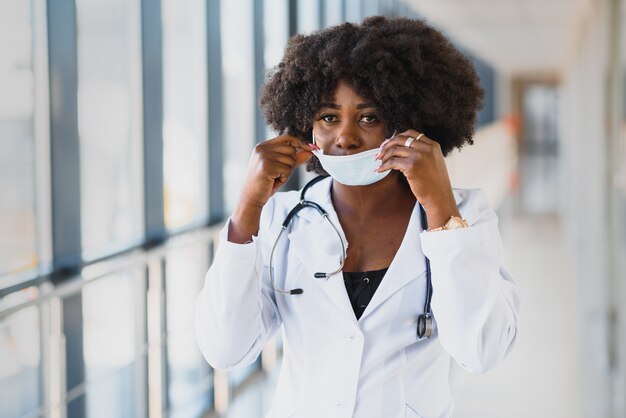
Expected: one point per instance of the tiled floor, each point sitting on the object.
(541, 377)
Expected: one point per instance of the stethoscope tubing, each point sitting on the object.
(424, 321)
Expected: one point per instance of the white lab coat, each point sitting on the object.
(334, 365)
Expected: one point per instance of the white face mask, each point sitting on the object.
(352, 170)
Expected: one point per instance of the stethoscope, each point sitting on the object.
(424, 320)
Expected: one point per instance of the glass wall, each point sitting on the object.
(21, 365)
(238, 94)
(333, 12)
(276, 31)
(184, 112)
(109, 124)
(18, 233)
(308, 16)
(113, 345)
(354, 10)
(189, 375)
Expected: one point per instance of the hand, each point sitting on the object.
(271, 164)
(424, 167)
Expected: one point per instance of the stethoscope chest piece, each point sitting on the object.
(425, 325)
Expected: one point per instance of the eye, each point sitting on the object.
(328, 117)
(369, 118)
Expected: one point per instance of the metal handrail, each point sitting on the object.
(133, 258)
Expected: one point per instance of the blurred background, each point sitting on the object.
(125, 131)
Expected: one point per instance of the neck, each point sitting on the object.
(363, 201)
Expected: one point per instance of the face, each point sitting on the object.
(349, 124)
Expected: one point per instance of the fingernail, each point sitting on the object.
(377, 156)
(314, 146)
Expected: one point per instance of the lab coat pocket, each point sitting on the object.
(411, 413)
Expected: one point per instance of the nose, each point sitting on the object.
(347, 137)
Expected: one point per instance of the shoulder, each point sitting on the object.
(277, 208)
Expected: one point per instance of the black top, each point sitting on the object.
(361, 287)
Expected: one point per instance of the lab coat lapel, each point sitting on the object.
(318, 248)
(315, 243)
(408, 264)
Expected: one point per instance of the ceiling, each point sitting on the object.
(520, 37)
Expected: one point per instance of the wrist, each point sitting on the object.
(438, 213)
(455, 222)
(244, 224)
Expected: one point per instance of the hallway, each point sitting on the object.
(542, 376)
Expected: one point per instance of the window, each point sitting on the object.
(113, 345)
(109, 125)
(371, 8)
(20, 363)
(189, 375)
(308, 16)
(238, 92)
(18, 206)
(276, 26)
(354, 11)
(184, 112)
(333, 12)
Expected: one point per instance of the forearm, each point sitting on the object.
(234, 316)
(244, 223)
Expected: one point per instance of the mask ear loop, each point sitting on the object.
(314, 142)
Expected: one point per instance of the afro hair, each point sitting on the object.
(407, 69)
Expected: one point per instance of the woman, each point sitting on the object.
(376, 106)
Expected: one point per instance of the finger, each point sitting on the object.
(397, 140)
(284, 149)
(278, 182)
(399, 144)
(395, 163)
(403, 137)
(277, 170)
(292, 141)
(302, 157)
(412, 133)
(396, 151)
(283, 165)
(287, 159)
